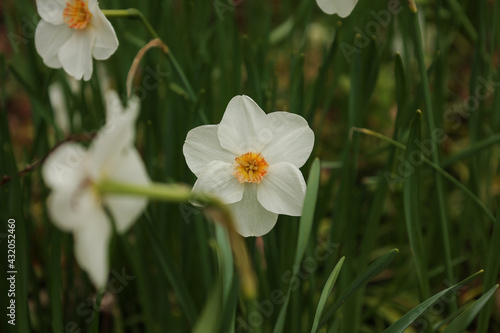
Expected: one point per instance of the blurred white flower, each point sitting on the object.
(70, 33)
(72, 173)
(58, 102)
(341, 7)
(251, 161)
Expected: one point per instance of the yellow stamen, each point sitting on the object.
(250, 168)
(76, 14)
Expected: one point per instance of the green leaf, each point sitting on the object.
(326, 292)
(402, 324)
(306, 222)
(366, 276)
(466, 317)
(210, 316)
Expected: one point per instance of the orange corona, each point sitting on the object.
(250, 168)
(76, 14)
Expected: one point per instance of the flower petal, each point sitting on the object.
(116, 135)
(217, 178)
(76, 54)
(63, 167)
(106, 41)
(242, 125)
(91, 247)
(202, 147)
(282, 190)
(251, 218)
(51, 11)
(127, 168)
(49, 39)
(290, 139)
(341, 7)
(58, 103)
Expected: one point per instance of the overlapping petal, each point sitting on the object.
(63, 167)
(282, 190)
(49, 39)
(51, 11)
(243, 126)
(114, 137)
(252, 219)
(75, 54)
(202, 146)
(341, 7)
(106, 41)
(291, 139)
(217, 178)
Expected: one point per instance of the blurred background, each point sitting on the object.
(361, 71)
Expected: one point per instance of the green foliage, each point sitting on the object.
(428, 186)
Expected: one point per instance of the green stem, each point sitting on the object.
(415, 24)
(136, 14)
(214, 208)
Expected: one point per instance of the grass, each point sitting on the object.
(386, 176)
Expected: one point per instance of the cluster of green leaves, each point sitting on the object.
(336, 268)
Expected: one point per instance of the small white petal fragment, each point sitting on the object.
(202, 147)
(217, 178)
(251, 218)
(283, 190)
(341, 7)
(126, 209)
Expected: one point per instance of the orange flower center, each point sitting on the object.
(250, 168)
(76, 14)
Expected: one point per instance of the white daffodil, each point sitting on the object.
(70, 33)
(341, 7)
(72, 173)
(251, 161)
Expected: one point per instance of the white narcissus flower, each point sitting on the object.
(251, 161)
(72, 173)
(341, 7)
(70, 33)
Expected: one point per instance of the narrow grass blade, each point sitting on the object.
(306, 222)
(366, 276)
(172, 275)
(491, 275)
(325, 293)
(401, 94)
(402, 324)
(438, 169)
(465, 318)
(55, 281)
(431, 127)
(411, 198)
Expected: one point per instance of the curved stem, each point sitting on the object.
(136, 14)
(214, 208)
